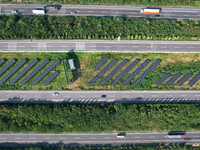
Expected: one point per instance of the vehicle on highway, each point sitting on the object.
(176, 134)
(121, 135)
(73, 12)
(14, 11)
(51, 7)
(55, 93)
(103, 96)
(150, 11)
(38, 11)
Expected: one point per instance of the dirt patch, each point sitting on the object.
(74, 84)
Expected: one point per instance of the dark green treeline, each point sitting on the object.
(57, 118)
(57, 27)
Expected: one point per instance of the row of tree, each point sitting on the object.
(62, 27)
(57, 118)
(121, 2)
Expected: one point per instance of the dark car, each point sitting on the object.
(103, 96)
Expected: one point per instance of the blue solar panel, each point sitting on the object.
(100, 63)
(110, 75)
(184, 79)
(23, 72)
(42, 75)
(14, 70)
(91, 82)
(162, 79)
(47, 81)
(34, 72)
(194, 80)
(173, 79)
(121, 75)
(148, 71)
(2, 61)
(142, 66)
(7, 66)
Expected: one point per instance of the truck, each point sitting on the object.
(39, 11)
(176, 136)
(150, 11)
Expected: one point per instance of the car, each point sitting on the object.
(55, 93)
(73, 12)
(103, 96)
(121, 135)
(14, 11)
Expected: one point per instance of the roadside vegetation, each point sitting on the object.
(84, 62)
(104, 28)
(186, 3)
(178, 146)
(81, 118)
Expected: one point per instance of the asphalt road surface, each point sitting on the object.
(95, 96)
(103, 138)
(95, 10)
(99, 46)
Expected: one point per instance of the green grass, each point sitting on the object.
(171, 63)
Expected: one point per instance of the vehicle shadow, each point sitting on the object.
(77, 71)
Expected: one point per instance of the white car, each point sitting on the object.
(73, 13)
(14, 11)
(55, 93)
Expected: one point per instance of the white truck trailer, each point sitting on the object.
(150, 11)
(176, 136)
(39, 11)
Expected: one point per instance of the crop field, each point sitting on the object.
(84, 62)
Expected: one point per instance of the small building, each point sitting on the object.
(71, 64)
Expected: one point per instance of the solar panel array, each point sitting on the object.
(148, 71)
(34, 72)
(42, 75)
(121, 75)
(91, 82)
(142, 66)
(23, 72)
(2, 61)
(7, 66)
(14, 70)
(110, 75)
(100, 63)
(173, 79)
(47, 81)
(184, 79)
(194, 80)
(162, 79)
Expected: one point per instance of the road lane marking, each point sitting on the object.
(47, 138)
(183, 95)
(137, 137)
(18, 138)
(77, 138)
(62, 138)
(32, 138)
(152, 136)
(92, 137)
(107, 137)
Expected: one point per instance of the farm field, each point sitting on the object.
(84, 62)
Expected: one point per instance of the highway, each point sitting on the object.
(102, 138)
(99, 10)
(99, 46)
(95, 96)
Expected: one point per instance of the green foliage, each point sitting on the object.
(63, 27)
(57, 118)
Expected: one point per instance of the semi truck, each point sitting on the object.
(39, 11)
(176, 136)
(150, 11)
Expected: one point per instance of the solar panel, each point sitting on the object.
(2, 61)
(42, 75)
(148, 71)
(7, 66)
(23, 72)
(184, 79)
(34, 72)
(142, 66)
(101, 62)
(91, 82)
(14, 70)
(162, 79)
(173, 79)
(121, 75)
(47, 81)
(110, 75)
(194, 80)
